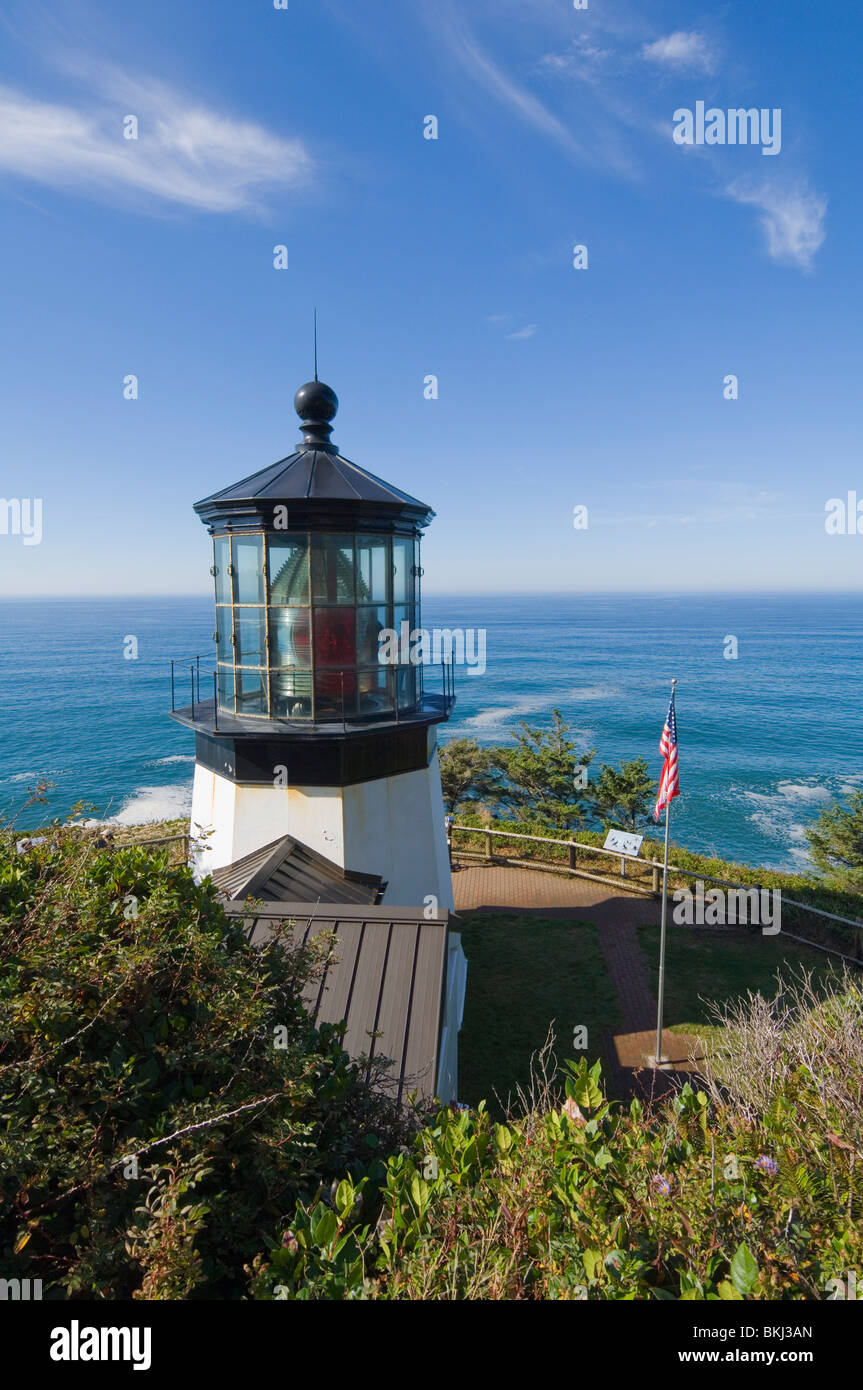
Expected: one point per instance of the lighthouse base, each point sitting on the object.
(390, 826)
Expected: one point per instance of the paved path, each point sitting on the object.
(616, 914)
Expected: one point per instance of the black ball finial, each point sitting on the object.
(316, 404)
(316, 401)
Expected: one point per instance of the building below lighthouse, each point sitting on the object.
(316, 762)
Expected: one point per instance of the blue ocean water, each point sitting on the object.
(765, 739)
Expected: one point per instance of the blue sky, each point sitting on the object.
(558, 387)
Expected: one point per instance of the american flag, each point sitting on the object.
(669, 782)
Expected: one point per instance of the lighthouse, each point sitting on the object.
(316, 728)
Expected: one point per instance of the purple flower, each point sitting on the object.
(662, 1185)
(289, 1242)
(766, 1165)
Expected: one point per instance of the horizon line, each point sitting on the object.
(473, 594)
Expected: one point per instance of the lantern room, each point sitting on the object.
(315, 727)
(313, 560)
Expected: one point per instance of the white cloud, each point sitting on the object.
(187, 154)
(681, 50)
(792, 219)
(526, 332)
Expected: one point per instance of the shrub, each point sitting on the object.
(154, 1123)
(748, 1189)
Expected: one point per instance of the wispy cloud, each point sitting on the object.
(186, 154)
(526, 332)
(480, 65)
(682, 50)
(792, 218)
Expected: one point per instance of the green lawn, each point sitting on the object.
(703, 965)
(523, 973)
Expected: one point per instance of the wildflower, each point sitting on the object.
(290, 1242)
(662, 1185)
(766, 1165)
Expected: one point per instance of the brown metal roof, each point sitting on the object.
(385, 977)
(286, 870)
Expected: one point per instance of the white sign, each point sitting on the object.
(623, 842)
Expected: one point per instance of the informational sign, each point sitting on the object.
(623, 842)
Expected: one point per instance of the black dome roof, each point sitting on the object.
(316, 483)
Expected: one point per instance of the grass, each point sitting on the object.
(524, 973)
(718, 966)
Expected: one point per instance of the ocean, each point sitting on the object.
(765, 739)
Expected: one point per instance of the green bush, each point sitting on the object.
(749, 1189)
(163, 1097)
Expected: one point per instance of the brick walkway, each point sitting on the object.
(616, 914)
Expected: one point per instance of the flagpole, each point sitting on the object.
(661, 986)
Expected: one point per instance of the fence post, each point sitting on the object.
(622, 867)
(572, 856)
(655, 879)
(488, 853)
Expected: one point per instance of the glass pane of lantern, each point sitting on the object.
(226, 688)
(328, 694)
(334, 641)
(289, 568)
(221, 561)
(403, 559)
(375, 691)
(289, 637)
(406, 686)
(251, 693)
(371, 622)
(249, 634)
(224, 646)
(332, 569)
(373, 564)
(291, 694)
(248, 572)
(406, 613)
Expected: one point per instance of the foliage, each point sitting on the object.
(625, 796)
(541, 773)
(163, 1097)
(694, 1198)
(836, 843)
(465, 770)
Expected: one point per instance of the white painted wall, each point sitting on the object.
(455, 985)
(393, 826)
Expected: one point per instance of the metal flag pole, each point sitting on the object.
(661, 987)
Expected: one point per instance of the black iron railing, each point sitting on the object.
(187, 676)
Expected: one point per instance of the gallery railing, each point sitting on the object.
(187, 678)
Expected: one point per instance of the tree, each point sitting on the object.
(541, 773)
(625, 795)
(464, 768)
(836, 843)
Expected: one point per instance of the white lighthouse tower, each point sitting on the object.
(309, 733)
